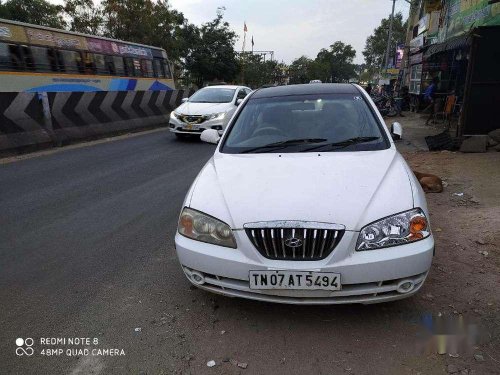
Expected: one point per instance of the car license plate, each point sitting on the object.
(294, 280)
(192, 127)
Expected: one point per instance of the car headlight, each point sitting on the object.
(202, 227)
(217, 116)
(399, 229)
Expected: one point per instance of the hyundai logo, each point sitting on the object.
(293, 242)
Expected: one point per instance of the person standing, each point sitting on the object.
(429, 98)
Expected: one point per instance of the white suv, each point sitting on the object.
(208, 108)
(306, 200)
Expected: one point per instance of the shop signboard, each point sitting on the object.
(433, 24)
(432, 5)
(399, 56)
(416, 43)
(423, 24)
(12, 33)
(462, 15)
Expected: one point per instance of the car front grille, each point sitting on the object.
(192, 119)
(294, 240)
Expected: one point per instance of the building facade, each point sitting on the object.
(457, 42)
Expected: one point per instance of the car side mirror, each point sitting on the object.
(184, 100)
(239, 101)
(396, 131)
(210, 136)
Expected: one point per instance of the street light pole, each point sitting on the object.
(390, 35)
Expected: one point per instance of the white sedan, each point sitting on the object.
(306, 201)
(208, 108)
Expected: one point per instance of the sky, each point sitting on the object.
(292, 28)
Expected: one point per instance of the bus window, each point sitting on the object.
(88, 63)
(55, 60)
(137, 68)
(100, 64)
(10, 57)
(38, 59)
(72, 61)
(168, 73)
(4, 56)
(129, 67)
(110, 65)
(119, 66)
(147, 68)
(158, 67)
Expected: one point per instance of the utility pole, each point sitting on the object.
(390, 35)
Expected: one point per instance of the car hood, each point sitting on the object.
(348, 188)
(203, 108)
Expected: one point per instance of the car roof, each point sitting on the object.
(223, 87)
(306, 89)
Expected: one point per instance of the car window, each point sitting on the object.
(213, 95)
(248, 91)
(330, 118)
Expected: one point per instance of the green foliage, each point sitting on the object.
(256, 72)
(300, 70)
(338, 59)
(376, 44)
(331, 65)
(212, 56)
(39, 12)
(84, 16)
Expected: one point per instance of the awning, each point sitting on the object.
(451, 44)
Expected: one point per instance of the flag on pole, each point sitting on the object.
(252, 41)
(244, 36)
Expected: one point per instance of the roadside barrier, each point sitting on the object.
(21, 121)
(44, 119)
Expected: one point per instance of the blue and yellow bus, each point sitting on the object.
(42, 59)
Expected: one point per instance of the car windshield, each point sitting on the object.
(213, 95)
(308, 123)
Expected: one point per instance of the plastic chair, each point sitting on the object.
(447, 111)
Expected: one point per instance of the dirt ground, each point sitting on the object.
(465, 276)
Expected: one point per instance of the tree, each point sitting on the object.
(338, 59)
(256, 72)
(376, 44)
(85, 17)
(38, 12)
(212, 56)
(150, 22)
(300, 70)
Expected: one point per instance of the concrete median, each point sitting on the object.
(44, 120)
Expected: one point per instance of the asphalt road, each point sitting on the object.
(86, 251)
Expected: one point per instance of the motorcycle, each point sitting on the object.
(385, 104)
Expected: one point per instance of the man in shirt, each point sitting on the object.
(429, 98)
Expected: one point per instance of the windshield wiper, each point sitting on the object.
(289, 142)
(344, 143)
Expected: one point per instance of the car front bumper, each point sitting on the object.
(366, 277)
(177, 126)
